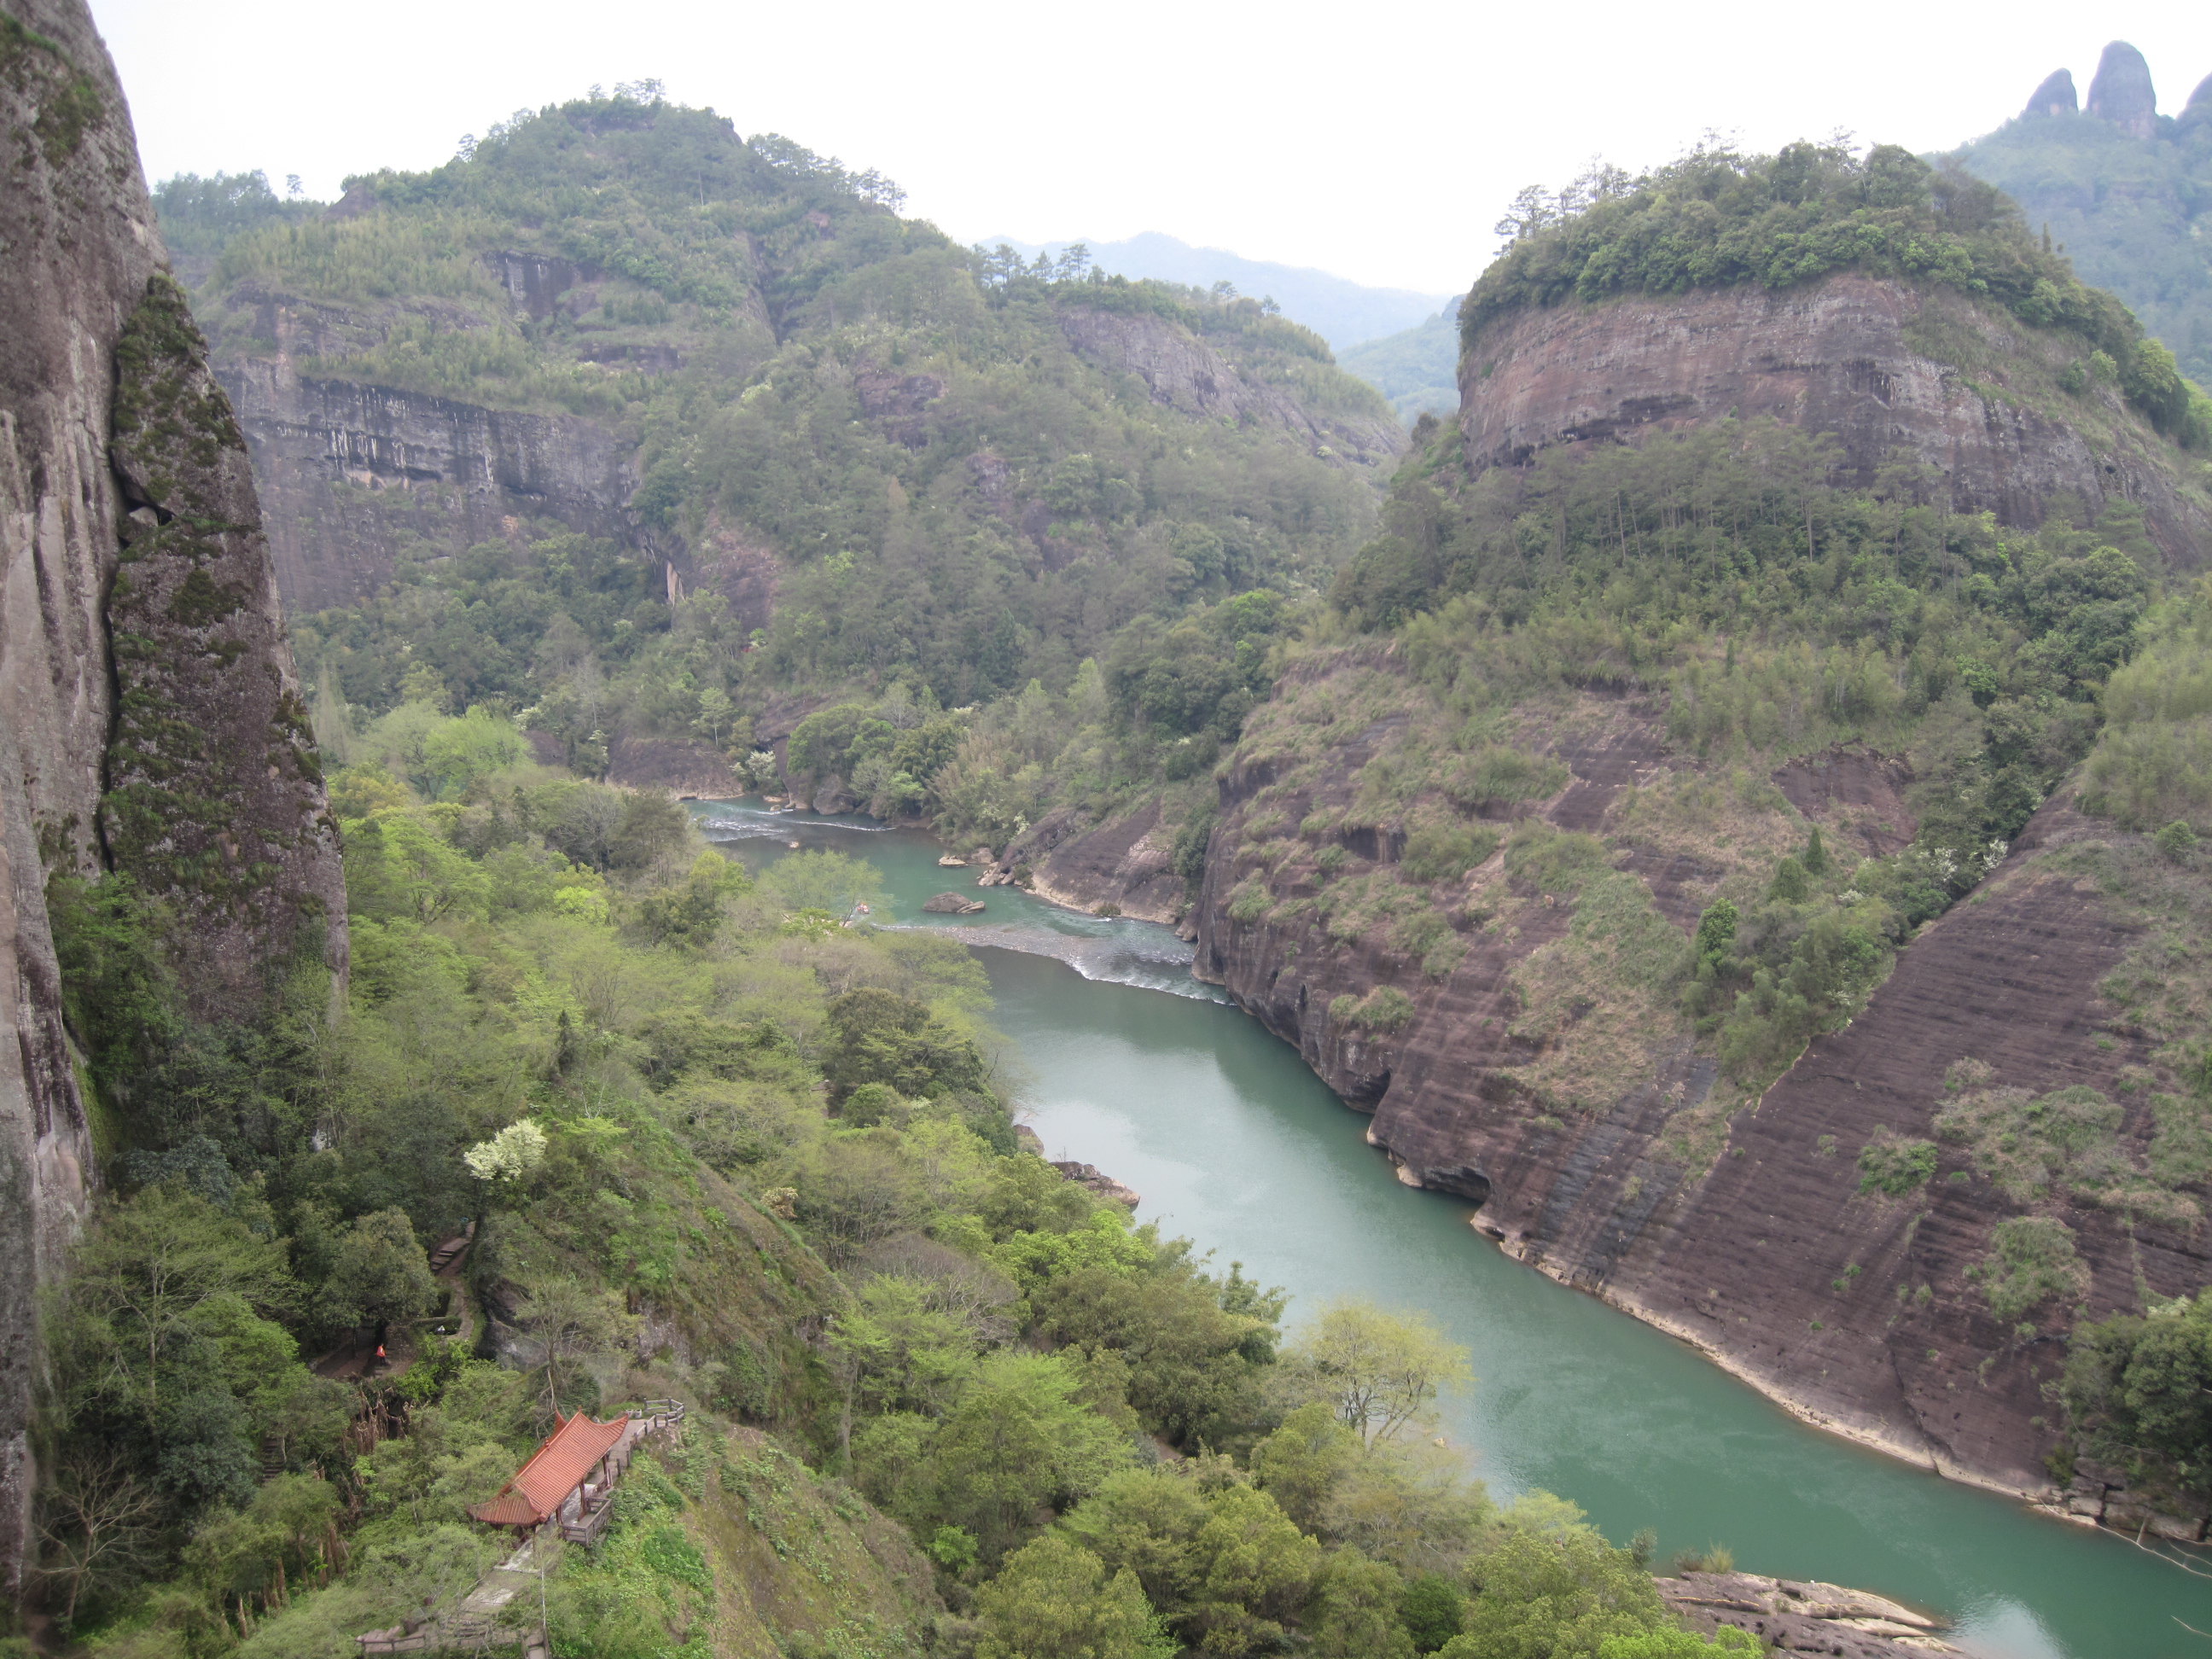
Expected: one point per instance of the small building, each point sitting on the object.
(570, 1476)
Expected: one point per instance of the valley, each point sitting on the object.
(620, 709)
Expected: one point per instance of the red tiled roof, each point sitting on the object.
(543, 1484)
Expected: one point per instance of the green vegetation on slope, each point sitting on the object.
(1417, 368)
(720, 1148)
(947, 462)
(1716, 218)
(2129, 213)
(1710, 595)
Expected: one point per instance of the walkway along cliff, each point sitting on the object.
(151, 720)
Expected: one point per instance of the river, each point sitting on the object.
(1126, 1062)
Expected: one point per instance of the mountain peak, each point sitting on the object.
(2122, 93)
(2056, 96)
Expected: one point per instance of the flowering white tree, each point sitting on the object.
(508, 1156)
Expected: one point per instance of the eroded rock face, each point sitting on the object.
(111, 431)
(1188, 375)
(1851, 356)
(2122, 93)
(347, 471)
(1127, 863)
(1745, 1229)
(215, 792)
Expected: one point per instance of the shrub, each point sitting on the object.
(2031, 1259)
(1385, 1008)
(1498, 776)
(1889, 1163)
(1443, 853)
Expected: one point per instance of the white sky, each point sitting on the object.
(1378, 145)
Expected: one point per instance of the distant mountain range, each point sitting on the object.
(1344, 313)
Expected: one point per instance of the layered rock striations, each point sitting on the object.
(149, 717)
(1607, 1151)
(1893, 370)
(352, 473)
(1518, 1031)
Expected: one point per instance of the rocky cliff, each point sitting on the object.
(1468, 864)
(1601, 1141)
(353, 474)
(1185, 373)
(150, 716)
(1893, 370)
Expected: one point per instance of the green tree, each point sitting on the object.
(1380, 1372)
(1054, 1600)
(573, 1326)
(1357, 1611)
(2138, 1393)
(1560, 1593)
(380, 1272)
(1433, 1608)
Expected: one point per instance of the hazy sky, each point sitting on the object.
(1379, 142)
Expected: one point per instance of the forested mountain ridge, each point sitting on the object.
(2127, 193)
(745, 430)
(1624, 808)
(1344, 313)
(684, 1144)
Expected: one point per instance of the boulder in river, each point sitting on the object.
(951, 904)
(1803, 1615)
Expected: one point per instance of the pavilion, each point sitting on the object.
(568, 1476)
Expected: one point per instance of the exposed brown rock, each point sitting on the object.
(1849, 355)
(1802, 1615)
(677, 765)
(1853, 793)
(1126, 862)
(1742, 1230)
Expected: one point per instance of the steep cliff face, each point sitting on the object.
(352, 474)
(1602, 1139)
(1187, 374)
(1894, 371)
(148, 713)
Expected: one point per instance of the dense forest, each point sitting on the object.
(958, 498)
(719, 1147)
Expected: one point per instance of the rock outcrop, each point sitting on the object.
(349, 472)
(1181, 371)
(2056, 96)
(2122, 93)
(148, 711)
(1802, 1615)
(1634, 1172)
(1128, 862)
(1890, 369)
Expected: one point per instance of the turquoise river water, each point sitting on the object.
(1126, 1062)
